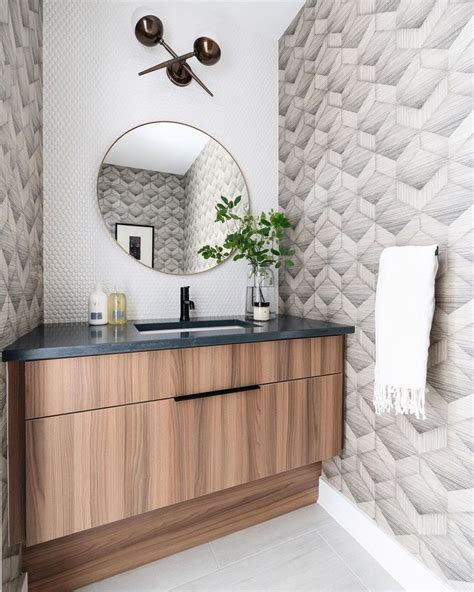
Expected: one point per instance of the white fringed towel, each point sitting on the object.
(404, 308)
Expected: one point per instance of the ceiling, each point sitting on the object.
(268, 18)
(166, 147)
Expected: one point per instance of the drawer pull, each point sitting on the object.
(238, 389)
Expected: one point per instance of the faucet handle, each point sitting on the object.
(191, 304)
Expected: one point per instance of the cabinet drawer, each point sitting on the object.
(95, 467)
(67, 385)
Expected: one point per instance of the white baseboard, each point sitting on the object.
(24, 587)
(19, 584)
(406, 569)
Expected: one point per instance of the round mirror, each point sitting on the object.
(158, 186)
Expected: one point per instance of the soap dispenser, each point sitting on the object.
(98, 307)
(117, 308)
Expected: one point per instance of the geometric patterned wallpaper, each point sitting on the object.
(376, 150)
(180, 207)
(212, 174)
(21, 203)
(138, 196)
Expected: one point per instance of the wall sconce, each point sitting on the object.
(149, 32)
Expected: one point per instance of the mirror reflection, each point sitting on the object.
(157, 188)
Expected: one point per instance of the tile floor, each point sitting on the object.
(303, 550)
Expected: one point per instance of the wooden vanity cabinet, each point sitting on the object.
(109, 439)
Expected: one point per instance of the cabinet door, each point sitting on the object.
(95, 467)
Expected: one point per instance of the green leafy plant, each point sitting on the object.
(258, 239)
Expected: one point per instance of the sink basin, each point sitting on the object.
(187, 326)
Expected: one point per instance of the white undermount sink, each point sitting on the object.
(194, 326)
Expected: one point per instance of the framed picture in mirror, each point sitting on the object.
(138, 240)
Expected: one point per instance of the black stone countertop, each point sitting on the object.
(68, 340)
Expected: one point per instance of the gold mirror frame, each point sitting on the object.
(102, 217)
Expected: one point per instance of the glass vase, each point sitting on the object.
(261, 287)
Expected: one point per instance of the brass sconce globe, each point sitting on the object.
(149, 32)
(207, 51)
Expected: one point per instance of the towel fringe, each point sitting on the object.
(402, 400)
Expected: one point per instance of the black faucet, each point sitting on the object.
(186, 304)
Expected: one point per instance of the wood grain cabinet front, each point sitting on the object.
(95, 467)
(68, 385)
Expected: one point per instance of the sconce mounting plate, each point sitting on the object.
(178, 74)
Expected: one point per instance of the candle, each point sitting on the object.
(261, 311)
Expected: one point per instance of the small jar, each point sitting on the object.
(261, 311)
